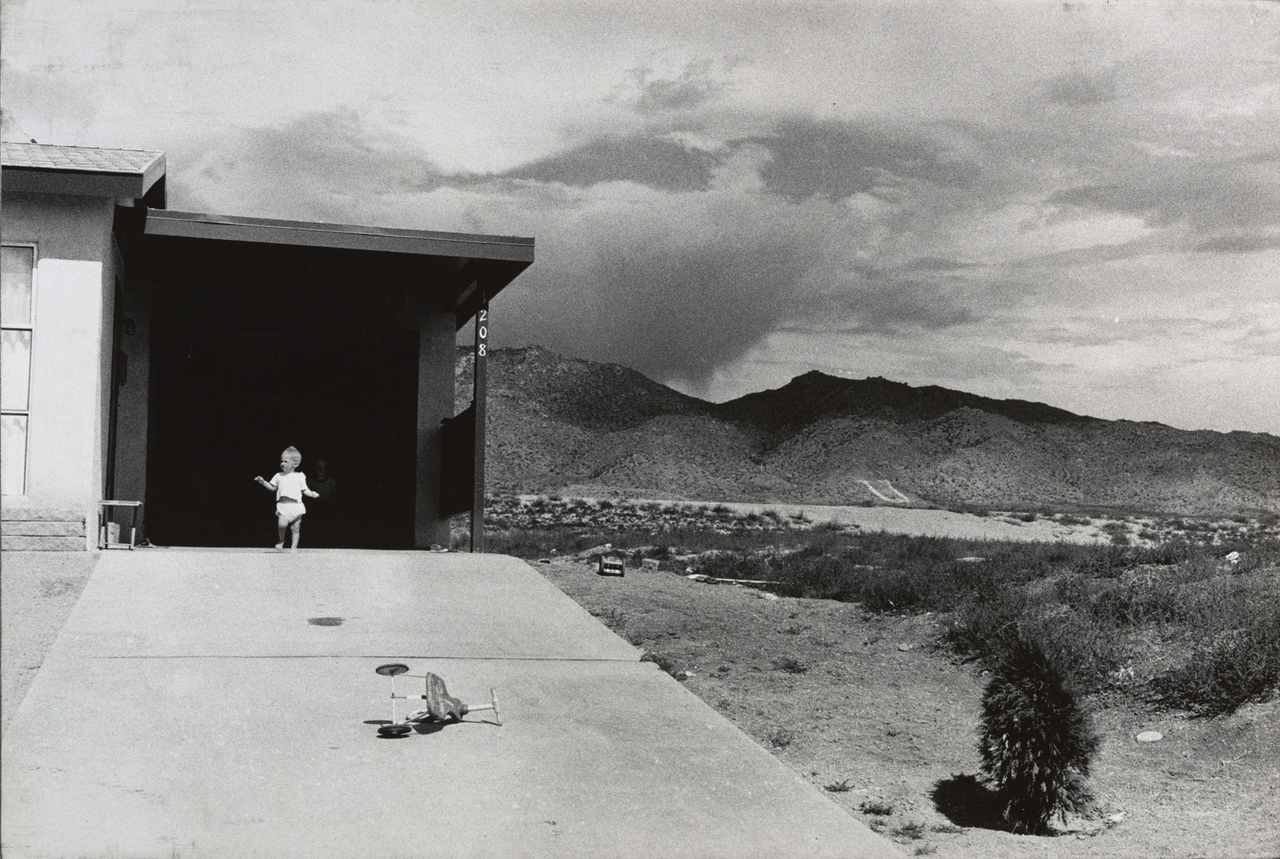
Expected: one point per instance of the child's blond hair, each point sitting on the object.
(292, 454)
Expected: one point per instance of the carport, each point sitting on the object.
(236, 337)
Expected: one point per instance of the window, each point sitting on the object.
(17, 277)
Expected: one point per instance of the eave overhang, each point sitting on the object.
(192, 247)
(119, 174)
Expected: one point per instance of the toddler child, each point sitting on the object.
(289, 485)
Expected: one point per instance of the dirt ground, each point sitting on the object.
(37, 592)
(865, 707)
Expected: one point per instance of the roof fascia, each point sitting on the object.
(309, 234)
(86, 183)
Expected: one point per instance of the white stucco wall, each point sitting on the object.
(70, 361)
(63, 462)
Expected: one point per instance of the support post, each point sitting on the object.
(479, 381)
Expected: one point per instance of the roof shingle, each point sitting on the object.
(43, 156)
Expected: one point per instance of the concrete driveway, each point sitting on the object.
(224, 703)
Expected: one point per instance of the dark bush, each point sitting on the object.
(1037, 743)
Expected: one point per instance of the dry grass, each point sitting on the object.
(1189, 622)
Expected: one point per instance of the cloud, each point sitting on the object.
(326, 165)
(875, 301)
(838, 159)
(695, 86)
(1204, 195)
(657, 161)
(1241, 243)
(1078, 89)
(937, 264)
(674, 285)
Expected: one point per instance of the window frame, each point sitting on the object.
(29, 327)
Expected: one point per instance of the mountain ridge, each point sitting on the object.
(572, 426)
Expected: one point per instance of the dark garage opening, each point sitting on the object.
(224, 404)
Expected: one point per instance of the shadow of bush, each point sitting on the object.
(966, 801)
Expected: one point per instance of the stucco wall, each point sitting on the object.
(74, 272)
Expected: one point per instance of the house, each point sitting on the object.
(168, 358)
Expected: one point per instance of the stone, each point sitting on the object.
(1150, 737)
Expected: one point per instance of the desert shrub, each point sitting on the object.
(983, 623)
(895, 590)
(1236, 667)
(1140, 602)
(735, 565)
(780, 738)
(1164, 553)
(988, 626)
(1085, 651)
(1073, 590)
(1036, 743)
(789, 664)
(814, 574)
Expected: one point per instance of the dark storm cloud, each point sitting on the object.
(647, 298)
(839, 159)
(658, 162)
(694, 87)
(1207, 197)
(884, 302)
(1241, 244)
(1078, 89)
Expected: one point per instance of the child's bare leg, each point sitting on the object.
(297, 532)
(281, 527)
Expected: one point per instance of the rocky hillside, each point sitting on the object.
(564, 425)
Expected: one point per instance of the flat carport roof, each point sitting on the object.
(202, 249)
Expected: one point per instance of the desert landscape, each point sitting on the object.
(856, 640)
(837, 565)
(879, 704)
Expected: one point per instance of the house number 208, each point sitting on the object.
(482, 333)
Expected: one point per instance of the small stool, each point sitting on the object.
(104, 530)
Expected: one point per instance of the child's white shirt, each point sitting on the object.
(292, 485)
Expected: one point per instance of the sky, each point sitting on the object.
(1070, 203)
